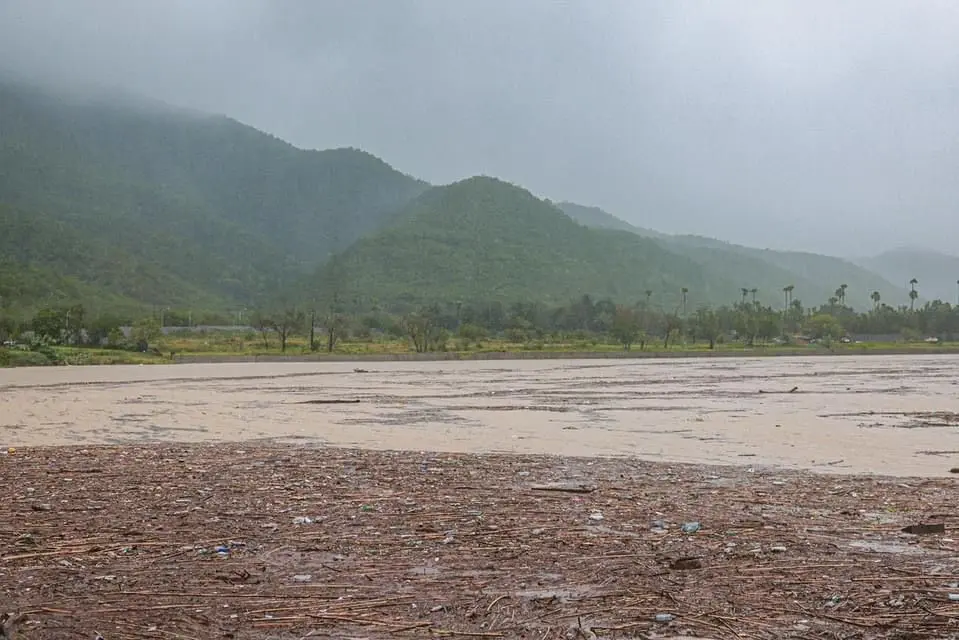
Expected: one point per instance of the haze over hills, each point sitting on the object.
(122, 204)
(815, 277)
(598, 219)
(186, 210)
(937, 273)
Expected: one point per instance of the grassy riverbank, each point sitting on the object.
(218, 348)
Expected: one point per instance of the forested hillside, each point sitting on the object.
(484, 239)
(154, 205)
(126, 205)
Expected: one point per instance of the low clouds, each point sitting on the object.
(817, 125)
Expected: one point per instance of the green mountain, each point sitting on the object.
(596, 218)
(123, 203)
(133, 202)
(937, 273)
(482, 239)
(814, 277)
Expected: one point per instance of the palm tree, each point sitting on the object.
(913, 294)
(842, 293)
(649, 294)
(754, 292)
(685, 291)
(745, 292)
(876, 297)
(957, 298)
(788, 293)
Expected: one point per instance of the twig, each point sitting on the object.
(493, 603)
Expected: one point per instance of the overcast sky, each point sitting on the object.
(814, 124)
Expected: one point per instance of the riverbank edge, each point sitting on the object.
(553, 355)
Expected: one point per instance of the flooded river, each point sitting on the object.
(873, 414)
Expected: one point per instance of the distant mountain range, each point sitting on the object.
(123, 205)
(814, 277)
(937, 273)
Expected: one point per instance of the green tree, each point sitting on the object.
(99, 329)
(708, 325)
(471, 333)
(424, 330)
(876, 298)
(9, 328)
(146, 332)
(913, 294)
(51, 325)
(823, 326)
(671, 324)
(626, 326)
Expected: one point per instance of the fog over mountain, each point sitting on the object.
(805, 125)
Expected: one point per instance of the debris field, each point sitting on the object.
(266, 540)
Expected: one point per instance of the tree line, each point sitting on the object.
(640, 324)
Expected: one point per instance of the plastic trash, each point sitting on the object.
(664, 617)
(596, 516)
(691, 527)
(303, 520)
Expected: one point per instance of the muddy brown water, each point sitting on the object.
(893, 415)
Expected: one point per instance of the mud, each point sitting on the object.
(894, 415)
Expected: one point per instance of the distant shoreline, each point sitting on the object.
(558, 355)
(94, 357)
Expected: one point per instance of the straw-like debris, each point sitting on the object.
(259, 540)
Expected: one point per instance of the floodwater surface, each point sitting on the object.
(895, 415)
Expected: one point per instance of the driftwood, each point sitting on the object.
(268, 540)
(793, 390)
(925, 529)
(564, 487)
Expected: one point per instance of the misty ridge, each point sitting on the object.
(121, 184)
(208, 213)
(808, 127)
